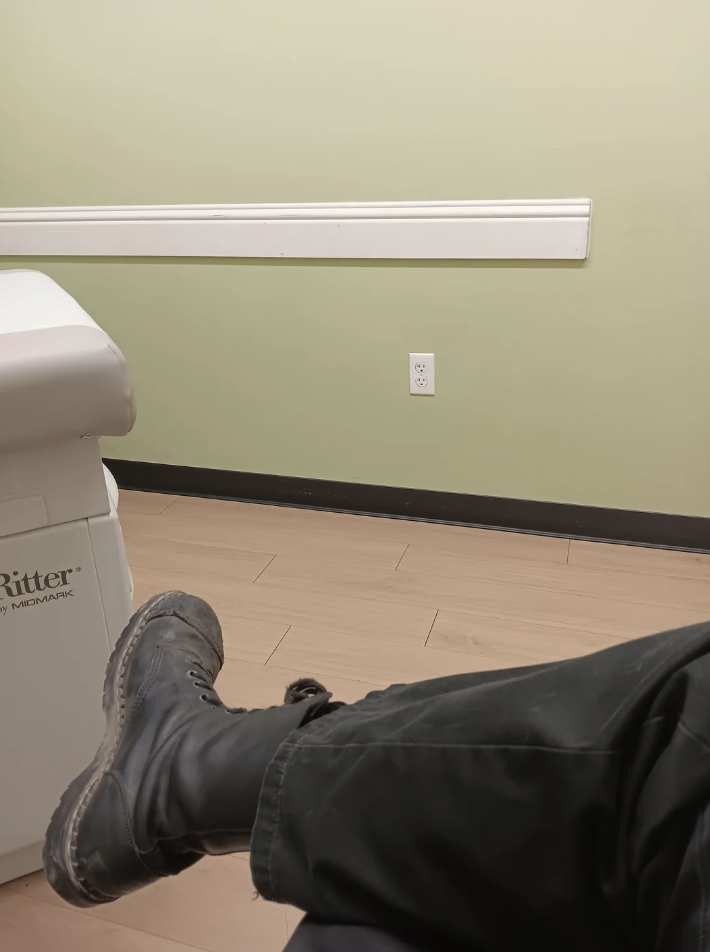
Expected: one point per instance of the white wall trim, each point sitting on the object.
(553, 229)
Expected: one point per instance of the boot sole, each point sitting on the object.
(59, 855)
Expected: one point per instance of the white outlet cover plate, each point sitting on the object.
(421, 374)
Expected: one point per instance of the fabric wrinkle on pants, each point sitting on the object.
(552, 807)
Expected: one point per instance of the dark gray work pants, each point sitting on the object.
(558, 807)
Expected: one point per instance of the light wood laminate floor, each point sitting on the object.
(357, 602)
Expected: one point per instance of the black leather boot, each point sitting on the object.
(178, 775)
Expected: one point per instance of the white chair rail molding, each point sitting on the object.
(505, 229)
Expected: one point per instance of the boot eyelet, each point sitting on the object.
(204, 697)
(192, 674)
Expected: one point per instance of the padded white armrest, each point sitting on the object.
(61, 376)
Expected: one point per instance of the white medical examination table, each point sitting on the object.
(65, 589)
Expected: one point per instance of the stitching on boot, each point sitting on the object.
(127, 825)
(155, 664)
(125, 654)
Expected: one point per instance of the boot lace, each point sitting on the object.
(300, 690)
(204, 684)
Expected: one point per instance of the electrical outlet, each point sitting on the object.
(421, 374)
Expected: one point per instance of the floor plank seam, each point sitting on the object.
(401, 557)
(432, 629)
(277, 646)
(264, 569)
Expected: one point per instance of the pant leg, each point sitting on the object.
(561, 806)
(314, 936)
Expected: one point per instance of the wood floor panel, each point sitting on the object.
(29, 925)
(257, 535)
(359, 613)
(189, 557)
(363, 659)
(144, 503)
(592, 582)
(210, 906)
(248, 640)
(636, 558)
(501, 599)
(513, 643)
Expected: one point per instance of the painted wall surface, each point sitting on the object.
(583, 383)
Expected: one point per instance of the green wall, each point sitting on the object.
(581, 383)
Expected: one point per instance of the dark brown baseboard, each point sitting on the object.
(663, 530)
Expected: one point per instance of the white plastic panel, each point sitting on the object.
(30, 300)
(55, 647)
(67, 477)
